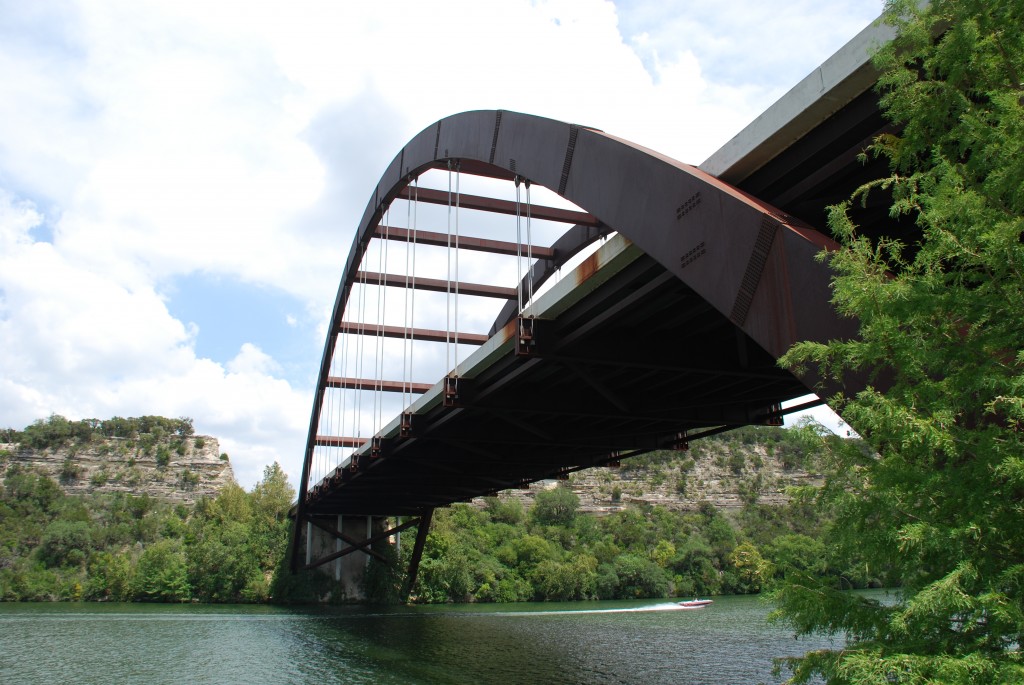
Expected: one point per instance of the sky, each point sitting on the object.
(180, 181)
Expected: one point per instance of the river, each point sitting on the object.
(650, 642)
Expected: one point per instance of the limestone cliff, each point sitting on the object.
(725, 472)
(180, 470)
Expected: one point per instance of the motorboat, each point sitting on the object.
(695, 603)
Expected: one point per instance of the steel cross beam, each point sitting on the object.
(464, 242)
(426, 334)
(435, 285)
(490, 204)
(381, 386)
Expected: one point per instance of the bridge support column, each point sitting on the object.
(338, 545)
(344, 551)
(309, 542)
(417, 554)
(341, 547)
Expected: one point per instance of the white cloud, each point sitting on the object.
(79, 344)
(252, 360)
(242, 140)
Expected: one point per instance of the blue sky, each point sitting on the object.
(179, 181)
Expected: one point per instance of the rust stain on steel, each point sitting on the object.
(490, 204)
(508, 332)
(465, 242)
(426, 334)
(587, 268)
(371, 384)
(436, 285)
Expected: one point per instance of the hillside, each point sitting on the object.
(751, 465)
(154, 456)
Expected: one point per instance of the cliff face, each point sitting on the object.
(181, 472)
(726, 474)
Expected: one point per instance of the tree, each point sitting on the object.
(556, 506)
(65, 543)
(749, 570)
(162, 573)
(941, 317)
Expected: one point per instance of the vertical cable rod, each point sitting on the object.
(382, 261)
(325, 452)
(519, 245)
(345, 346)
(410, 296)
(458, 166)
(448, 278)
(357, 424)
(529, 244)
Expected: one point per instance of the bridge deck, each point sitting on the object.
(627, 357)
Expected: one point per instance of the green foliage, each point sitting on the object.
(490, 555)
(163, 456)
(70, 471)
(562, 581)
(556, 506)
(65, 543)
(162, 573)
(941, 315)
(57, 431)
(122, 548)
(508, 511)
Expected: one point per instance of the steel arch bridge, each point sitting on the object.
(641, 304)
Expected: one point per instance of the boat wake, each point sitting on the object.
(665, 606)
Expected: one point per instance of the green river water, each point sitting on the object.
(649, 642)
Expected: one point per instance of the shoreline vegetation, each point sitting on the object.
(231, 547)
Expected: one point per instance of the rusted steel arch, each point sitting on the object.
(749, 261)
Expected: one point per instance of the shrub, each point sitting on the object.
(70, 471)
(65, 543)
(189, 479)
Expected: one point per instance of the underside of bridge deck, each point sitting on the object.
(640, 363)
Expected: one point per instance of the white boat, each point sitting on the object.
(695, 603)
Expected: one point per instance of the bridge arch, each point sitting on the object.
(750, 266)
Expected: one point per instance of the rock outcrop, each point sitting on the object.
(723, 473)
(180, 471)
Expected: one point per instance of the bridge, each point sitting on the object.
(525, 298)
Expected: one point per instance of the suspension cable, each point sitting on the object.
(408, 389)
(405, 305)
(345, 345)
(519, 245)
(357, 423)
(449, 304)
(448, 279)
(458, 167)
(329, 399)
(529, 244)
(382, 301)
